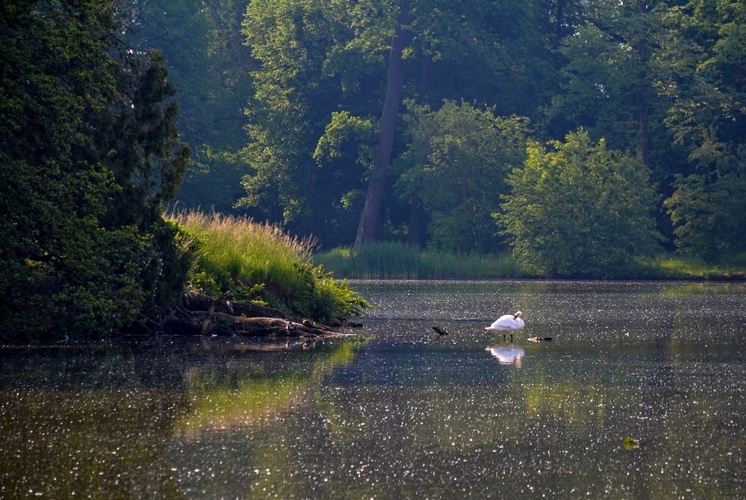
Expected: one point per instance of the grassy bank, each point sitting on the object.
(261, 263)
(685, 267)
(390, 260)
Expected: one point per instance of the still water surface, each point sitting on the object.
(641, 393)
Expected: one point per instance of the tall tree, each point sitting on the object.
(321, 58)
(369, 218)
(89, 152)
(456, 164)
(318, 59)
(489, 52)
(704, 78)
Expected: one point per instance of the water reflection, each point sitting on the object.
(507, 354)
(239, 394)
(87, 422)
(117, 421)
(398, 415)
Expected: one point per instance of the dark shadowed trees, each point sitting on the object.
(88, 153)
(704, 79)
(662, 81)
(456, 165)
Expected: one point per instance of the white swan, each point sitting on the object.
(508, 323)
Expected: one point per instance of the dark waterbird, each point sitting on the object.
(440, 331)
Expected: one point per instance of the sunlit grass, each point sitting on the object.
(244, 251)
(689, 267)
(262, 263)
(392, 260)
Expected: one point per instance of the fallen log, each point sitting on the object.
(222, 323)
(201, 315)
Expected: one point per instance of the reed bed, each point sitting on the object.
(393, 260)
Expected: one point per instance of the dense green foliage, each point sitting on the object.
(455, 167)
(209, 65)
(662, 82)
(260, 263)
(705, 83)
(580, 210)
(88, 154)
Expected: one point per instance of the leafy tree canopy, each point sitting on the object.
(88, 154)
(662, 81)
(579, 209)
(705, 82)
(455, 165)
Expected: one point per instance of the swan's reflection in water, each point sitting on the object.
(507, 354)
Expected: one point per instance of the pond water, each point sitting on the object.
(641, 393)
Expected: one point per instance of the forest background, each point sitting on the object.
(581, 137)
(580, 134)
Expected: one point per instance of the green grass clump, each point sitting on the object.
(261, 263)
(393, 260)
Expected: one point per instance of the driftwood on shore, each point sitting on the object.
(197, 314)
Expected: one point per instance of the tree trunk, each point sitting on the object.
(641, 115)
(415, 223)
(369, 217)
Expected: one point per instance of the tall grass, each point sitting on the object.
(392, 260)
(260, 262)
